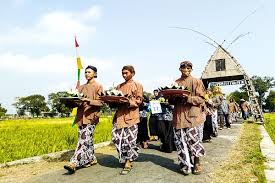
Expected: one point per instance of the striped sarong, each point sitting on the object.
(125, 142)
(84, 152)
(188, 145)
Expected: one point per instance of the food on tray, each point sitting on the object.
(113, 96)
(174, 90)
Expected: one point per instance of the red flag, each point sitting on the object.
(76, 44)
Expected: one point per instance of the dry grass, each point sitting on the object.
(245, 162)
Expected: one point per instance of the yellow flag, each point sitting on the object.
(79, 65)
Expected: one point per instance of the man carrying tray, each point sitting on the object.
(86, 118)
(187, 116)
(125, 128)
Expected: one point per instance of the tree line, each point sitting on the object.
(262, 85)
(36, 104)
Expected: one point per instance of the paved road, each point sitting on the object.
(152, 165)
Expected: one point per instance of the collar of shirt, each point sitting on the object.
(129, 81)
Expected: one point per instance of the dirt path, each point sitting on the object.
(152, 165)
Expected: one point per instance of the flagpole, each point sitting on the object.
(79, 65)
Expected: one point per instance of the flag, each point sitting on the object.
(78, 63)
(75, 42)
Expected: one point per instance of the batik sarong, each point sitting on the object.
(200, 131)
(84, 152)
(215, 122)
(125, 142)
(232, 117)
(188, 145)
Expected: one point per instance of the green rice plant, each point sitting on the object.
(270, 124)
(26, 138)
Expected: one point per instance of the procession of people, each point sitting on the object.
(181, 123)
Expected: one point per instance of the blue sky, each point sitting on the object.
(37, 55)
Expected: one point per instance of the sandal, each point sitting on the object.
(125, 170)
(92, 163)
(145, 145)
(185, 171)
(197, 169)
(71, 168)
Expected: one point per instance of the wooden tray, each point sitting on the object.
(174, 93)
(71, 101)
(113, 99)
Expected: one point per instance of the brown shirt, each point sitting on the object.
(89, 111)
(189, 114)
(128, 115)
(233, 107)
(245, 106)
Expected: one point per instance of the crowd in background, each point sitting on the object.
(220, 113)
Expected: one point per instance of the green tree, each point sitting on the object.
(261, 85)
(238, 95)
(147, 94)
(57, 106)
(2, 111)
(34, 104)
(270, 101)
(20, 108)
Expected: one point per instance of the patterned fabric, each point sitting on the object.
(84, 152)
(232, 117)
(167, 116)
(200, 131)
(143, 114)
(188, 144)
(224, 106)
(125, 142)
(215, 121)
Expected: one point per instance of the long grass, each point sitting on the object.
(26, 138)
(270, 125)
(245, 163)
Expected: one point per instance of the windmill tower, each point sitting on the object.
(223, 69)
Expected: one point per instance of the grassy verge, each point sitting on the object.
(26, 138)
(245, 162)
(270, 125)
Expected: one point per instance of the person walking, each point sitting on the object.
(126, 118)
(187, 116)
(87, 117)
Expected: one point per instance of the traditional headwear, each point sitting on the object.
(129, 68)
(185, 64)
(93, 68)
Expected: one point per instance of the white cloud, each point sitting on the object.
(18, 3)
(55, 28)
(92, 13)
(54, 63)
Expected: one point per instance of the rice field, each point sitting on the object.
(26, 138)
(270, 125)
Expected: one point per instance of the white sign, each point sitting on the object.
(224, 83)
(155, 107)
